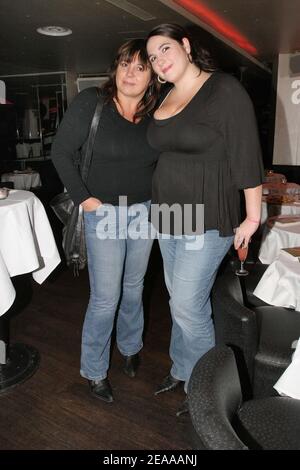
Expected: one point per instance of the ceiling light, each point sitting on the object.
(132, 9)
(54, 31)
(217, 23)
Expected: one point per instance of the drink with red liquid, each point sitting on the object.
(242, 252)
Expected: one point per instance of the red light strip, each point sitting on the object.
(209, 17)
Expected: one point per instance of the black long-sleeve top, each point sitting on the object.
(208, 152)
(122, 163)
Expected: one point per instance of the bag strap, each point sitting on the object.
(87, 158)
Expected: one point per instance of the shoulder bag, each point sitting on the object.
(71, 215)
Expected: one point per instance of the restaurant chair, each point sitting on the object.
(221, 420)
(260, 336)
(248, 283)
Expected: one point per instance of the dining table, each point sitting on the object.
(284, 204)
(27, 245)
(280, 283)
(282, 231)
(22, 179)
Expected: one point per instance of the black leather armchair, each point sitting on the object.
(261, 336)
(220, 419)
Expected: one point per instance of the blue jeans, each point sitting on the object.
(189, 276)
(117, 266)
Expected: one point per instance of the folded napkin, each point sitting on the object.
(289, 383)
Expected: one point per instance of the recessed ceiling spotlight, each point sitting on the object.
(54, 31)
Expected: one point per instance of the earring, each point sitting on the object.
(160, 80)
(189, 56)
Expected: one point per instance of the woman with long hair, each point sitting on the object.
(205, 131)
(115, 201)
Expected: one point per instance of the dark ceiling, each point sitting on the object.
(99, 27)
(272, 26)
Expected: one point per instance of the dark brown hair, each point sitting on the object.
(200, 56)
(127, 52)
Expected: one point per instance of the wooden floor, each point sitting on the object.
(53, 409)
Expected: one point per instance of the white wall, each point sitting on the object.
(287, 124)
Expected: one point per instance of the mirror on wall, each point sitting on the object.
(30, 115)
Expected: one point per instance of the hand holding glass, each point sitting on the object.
(242, 254)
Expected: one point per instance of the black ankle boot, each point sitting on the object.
(169, 383)
(101, 389)
(131, 365)
(184, 408)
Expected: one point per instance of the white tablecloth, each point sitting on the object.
(22, 180)
(289, 383)
(26, 243)
(276, 236)
(270, 210)
(7, 291)
(26, 150)
(280, 284)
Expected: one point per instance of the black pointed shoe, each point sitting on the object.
(169, 383)
(101, 389)
(131, 365)
(184, 408)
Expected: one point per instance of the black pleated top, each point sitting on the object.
(122, 162)
(208, 152)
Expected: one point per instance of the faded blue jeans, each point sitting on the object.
(117, 265)
(190, 267)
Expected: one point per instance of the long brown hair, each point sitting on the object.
(127, 52)
(200, 56)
